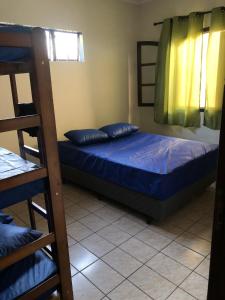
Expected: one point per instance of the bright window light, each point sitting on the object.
(203, 71)
(64, 45)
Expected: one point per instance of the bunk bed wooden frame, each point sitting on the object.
(38, 69)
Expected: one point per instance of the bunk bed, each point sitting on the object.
(37, 268)
(12, 164)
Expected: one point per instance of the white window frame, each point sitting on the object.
(51, 45)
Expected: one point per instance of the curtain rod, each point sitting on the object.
(204, 13)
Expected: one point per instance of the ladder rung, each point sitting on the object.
(19, 123)
(20, 179)
(15, 39)
(31, 151)
(26, 250)
(41, 288)
(40, 210)
(15, 68)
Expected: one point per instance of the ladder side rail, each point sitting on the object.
(21, 141)
(44, 102)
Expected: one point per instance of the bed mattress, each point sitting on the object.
(25, 275)
(12, 164)
(155, 165)
(8, 54)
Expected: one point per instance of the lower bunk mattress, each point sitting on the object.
(155, 165)
(25, 275)
(12, 164)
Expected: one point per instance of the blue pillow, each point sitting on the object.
(86, 136)
(119, 129)
(5, 219)
(13, 237)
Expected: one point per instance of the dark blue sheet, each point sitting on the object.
(158, 166)
(25, 275)
(11, 165)
(8, 54)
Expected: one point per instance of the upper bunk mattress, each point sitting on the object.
(8, 54)
(155, 165)
(12, 164)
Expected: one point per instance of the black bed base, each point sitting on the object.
(154, 209)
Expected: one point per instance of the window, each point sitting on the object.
(64, 45)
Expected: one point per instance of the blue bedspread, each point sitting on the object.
(11, 165)
(25, 275)
(158, 166)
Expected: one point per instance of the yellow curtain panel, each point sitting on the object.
(178, 77)
(191, 71)
(215, 69)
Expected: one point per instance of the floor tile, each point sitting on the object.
(195, 243)
(80, 257)
(91, 204)
(168, 268)
(179, 294)
(137, 217)
(127, 291)
(109, 214)
(114, 235)
(203, 268)
(180, 221)
(153, 239)
(168, 230)
(67, 202)
(128, 225)
(73, 270)
(121, 262)
(152, 284)
(196, 285)
(83, 289)
(185, 256)
(97, 245)
(76, 212)
(104, 277)
(78, 231)
(138, 249)
(71, 241)
(72, 197)
(69, 219)
(201, 230)
(93, 222)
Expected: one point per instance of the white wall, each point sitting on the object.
(90, 94)
(155, 11)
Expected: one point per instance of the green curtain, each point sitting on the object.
(215, 70)
(178, 77)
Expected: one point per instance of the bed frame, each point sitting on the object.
(44, 121)
(152, 208)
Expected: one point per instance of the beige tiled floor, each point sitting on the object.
(115, 255)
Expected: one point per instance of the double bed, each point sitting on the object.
(153, 174)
